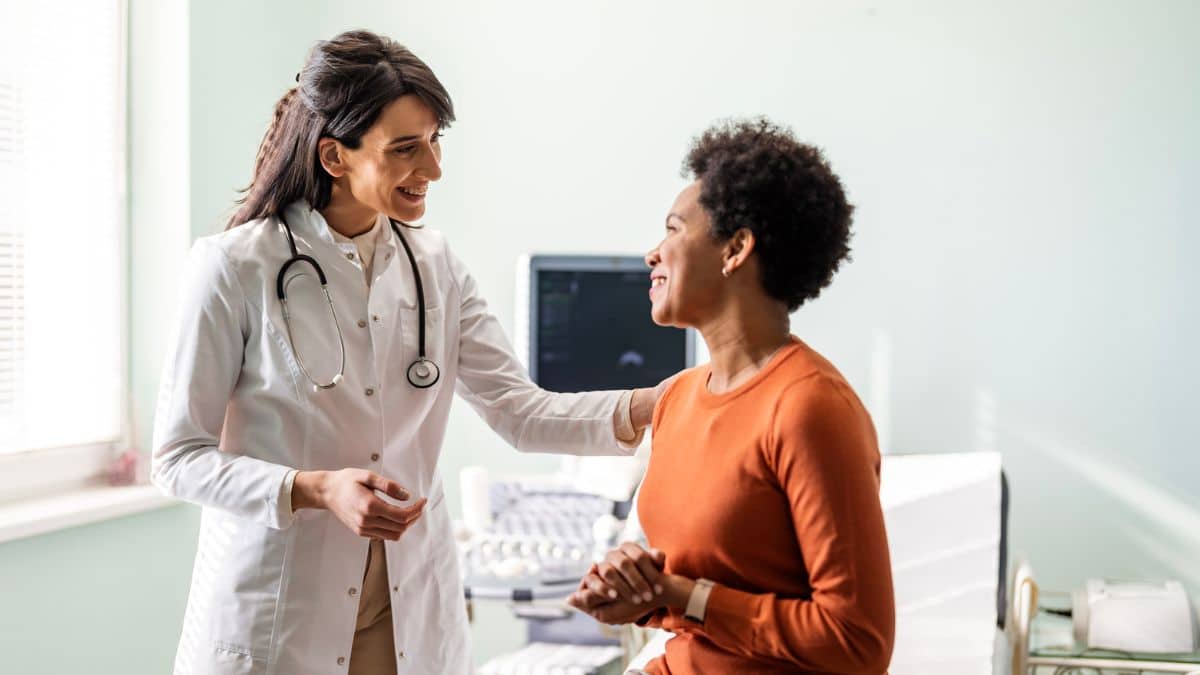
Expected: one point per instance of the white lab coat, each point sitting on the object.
(276, 593)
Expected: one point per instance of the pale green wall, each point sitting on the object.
(243, 57)
(104, 599)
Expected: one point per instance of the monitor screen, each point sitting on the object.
(591, 327)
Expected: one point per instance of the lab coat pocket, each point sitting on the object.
(246, 562)
(410, 352)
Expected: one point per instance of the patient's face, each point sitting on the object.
(686, 266)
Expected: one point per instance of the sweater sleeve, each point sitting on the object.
(825, 457)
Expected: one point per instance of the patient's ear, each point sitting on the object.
(737, 250)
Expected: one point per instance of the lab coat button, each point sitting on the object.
(374, 456)
(341, 660)
(349, 256)
(402, 657)
(375, 318)
(353, 591)
(362, 323)
(370, 391)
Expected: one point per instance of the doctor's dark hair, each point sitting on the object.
(754, 174)
(343, 87)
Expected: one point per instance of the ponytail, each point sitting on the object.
(267, 150)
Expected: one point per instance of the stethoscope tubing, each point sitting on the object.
(422, 373)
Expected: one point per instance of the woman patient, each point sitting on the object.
(761, 500)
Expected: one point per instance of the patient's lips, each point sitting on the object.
(657, 280)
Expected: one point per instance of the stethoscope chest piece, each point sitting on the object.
(423, 373)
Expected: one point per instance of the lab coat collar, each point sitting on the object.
(306, 222)
(373, 233)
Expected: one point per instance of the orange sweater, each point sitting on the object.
(771, 491)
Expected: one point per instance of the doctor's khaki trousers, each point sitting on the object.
(374, 649)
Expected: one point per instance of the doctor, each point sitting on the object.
(305, 399)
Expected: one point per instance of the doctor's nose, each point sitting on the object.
(431, 168)
(653, 258)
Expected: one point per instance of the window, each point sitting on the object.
(62, 242)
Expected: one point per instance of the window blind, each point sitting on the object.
(62, 258)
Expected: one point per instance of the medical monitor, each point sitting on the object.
(585, 324)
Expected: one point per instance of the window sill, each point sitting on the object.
(31, 517)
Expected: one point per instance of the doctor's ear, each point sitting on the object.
(332, 155)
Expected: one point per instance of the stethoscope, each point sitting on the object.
(422, 373)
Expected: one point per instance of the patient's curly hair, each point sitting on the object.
(754, 174)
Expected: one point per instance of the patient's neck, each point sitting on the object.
(742, 338)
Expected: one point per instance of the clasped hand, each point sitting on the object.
(628, 584)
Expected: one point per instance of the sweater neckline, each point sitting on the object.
(782, 354)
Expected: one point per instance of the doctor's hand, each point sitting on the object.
(641, 407)
(350, 495)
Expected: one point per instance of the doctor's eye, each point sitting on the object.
(406, 150)
(436, 138)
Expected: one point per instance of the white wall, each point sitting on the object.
(1020, 172)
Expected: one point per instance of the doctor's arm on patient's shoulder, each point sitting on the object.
(494, 382)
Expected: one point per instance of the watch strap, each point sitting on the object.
(697, 604)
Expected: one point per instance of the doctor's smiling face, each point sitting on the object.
(685, 268)
(357, 136)
(391, 169)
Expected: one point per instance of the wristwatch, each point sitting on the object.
(697, 602)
